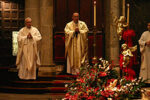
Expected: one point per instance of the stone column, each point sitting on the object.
(46, 22)
(41, 12)
(112, 42)
(32, 10)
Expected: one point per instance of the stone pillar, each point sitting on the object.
(111, 39)
(114, 41)
(46, 22)
(32, 10)
(41, 12)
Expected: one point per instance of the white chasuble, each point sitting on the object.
(76, 46)
(28, 55)
(145, 56)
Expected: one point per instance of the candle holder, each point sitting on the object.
(94, 59)
(128, 14)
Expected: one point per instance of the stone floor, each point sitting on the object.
(48, 96)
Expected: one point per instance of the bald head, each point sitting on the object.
(75, 14)
(28, 22)
(28, 19)
(75, 17)
(148, 26)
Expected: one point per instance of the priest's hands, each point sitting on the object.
(147, 43)
(29, 36)
(77, 32)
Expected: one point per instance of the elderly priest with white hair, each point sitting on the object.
(28, 55)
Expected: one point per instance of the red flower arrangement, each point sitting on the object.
(100, 81)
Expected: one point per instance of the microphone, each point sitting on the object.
(76, 32)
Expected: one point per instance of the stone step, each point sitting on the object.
(50, 70)
(57, 77)
(39, 84)
(9, 89)
(49, 83)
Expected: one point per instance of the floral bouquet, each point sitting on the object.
(101, 82)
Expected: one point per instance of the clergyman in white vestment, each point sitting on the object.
(28, 55)
(76, 44)
(144, 43)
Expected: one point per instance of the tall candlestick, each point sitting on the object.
(94, 13)
(94, 59)
(123, 7)
(128, 13)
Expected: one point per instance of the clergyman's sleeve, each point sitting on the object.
(21, 41)
(68, 37)
(37, 36)
(21, 38)
(142, 43)
(84, 29)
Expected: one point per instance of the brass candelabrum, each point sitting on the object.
(94, 59)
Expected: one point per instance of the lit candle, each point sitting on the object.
(94, 13)
(128, 12)
(123, 7)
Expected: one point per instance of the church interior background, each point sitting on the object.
(50, 17)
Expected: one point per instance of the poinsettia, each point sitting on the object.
(109, 81)
(102, 74)
(100, 81)
(82, 80)
(74, 97)
(96, 89)
(91, 97)
(107, 93)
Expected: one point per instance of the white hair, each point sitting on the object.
(28, 18)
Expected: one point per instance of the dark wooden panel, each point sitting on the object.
(86, 12)
(14, 23)
(14, 6)
(14, 14)
(65, 8)
(21, 23)
(6, 14)
(5, 51)
(21, 14)
(99, 14)
(21, 4)
(11, 19)
(6, 23)
(73, 6)
(7, 36)
(7, 5)
(99, 45)
(59, 46)
(60, 14)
